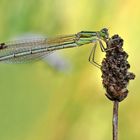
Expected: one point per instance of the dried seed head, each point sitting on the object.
(114, 69)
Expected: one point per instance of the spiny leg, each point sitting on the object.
(92, 57)
(103, 49)
(93, 51)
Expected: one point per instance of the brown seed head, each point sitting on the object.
(114, 69)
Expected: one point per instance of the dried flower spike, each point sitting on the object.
(115, 70)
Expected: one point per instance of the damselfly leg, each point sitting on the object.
(103, 49)
(93, 52)
(92, 57)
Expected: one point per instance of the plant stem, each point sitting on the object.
(115, 120)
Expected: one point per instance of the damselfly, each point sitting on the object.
(30, 49)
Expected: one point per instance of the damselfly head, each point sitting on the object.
(103, 34)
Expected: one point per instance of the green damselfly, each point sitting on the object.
(32, 49)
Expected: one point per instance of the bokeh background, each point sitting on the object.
(40, 102)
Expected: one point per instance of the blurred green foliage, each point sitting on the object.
(39, 103)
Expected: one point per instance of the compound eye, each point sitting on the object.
(104, 30)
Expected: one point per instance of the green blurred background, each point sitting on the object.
(38, 102)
